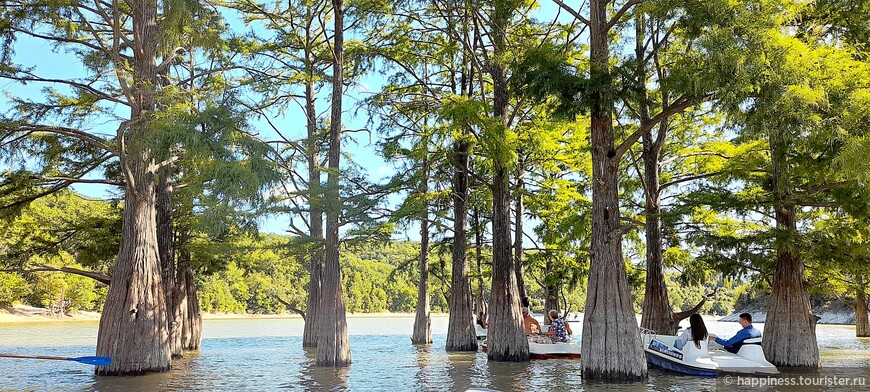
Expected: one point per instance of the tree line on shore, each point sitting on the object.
(590, 146)
(253, 273)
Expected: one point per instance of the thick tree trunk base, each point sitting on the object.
(790, 329)
(611, 346)
(422, 328)
(309, 332)
(191, 336)
(460, 325)
(333, 346)
(176, 327)
(134, 330)
(506, 338)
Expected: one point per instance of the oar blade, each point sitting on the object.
(96, 361)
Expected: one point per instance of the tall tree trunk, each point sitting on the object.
(478, 261)
(551, 302)
(422, 322)
(461, 334)
(185, 300)
(506, 338)
(518, 229)
(133, 327)
(862, 321)
(179, 311)
(191, 336)
(460, 327)
(166, 249)
(790, 328)
(657, 313)
(333, 346)
(309, 333)
(611, 345)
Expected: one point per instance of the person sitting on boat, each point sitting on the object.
(481, 321)
(697, 332)
(733, 345)
(559, 329)
(531, 325)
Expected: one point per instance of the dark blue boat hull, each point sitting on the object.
(659, 362)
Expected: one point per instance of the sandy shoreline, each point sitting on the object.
(28, 314)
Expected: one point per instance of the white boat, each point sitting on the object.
(566, 350)
(661, 353)
(560, 350)
(480, 332)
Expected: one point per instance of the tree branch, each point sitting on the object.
(692, 154)
(88, 138)
(645, 128)
(572, 11)
(625, 7)
(687, 179)
(289, 306)
(104, 279)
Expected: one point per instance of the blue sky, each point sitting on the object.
(50, 63)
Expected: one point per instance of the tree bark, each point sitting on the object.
(460, 328)
(551, 301)
(333, 346)
(133, 327)
(185, 300)
(790, 328)
(611, 345)
(166, 249)
(309, 334)
(179, 310)
(862, 321)
(461, 334)
(657, 314)
(191, 336)
(481, 303)
(506, 338)
(422, 322)
(518, 229)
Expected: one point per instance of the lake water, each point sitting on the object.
(266, 355)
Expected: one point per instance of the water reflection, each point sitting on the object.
(242, 355)
(321, 378)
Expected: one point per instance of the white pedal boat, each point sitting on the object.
(561, 350)
(566, 350)
(480, 332)
(661, 353)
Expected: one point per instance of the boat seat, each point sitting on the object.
(751, 349)
(690, 351)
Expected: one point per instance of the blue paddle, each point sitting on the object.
(96, 361)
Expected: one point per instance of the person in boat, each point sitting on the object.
(748, 332)
(531, 325)
(481, 321)
(697, 333)
(559, 329)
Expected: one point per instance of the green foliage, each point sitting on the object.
(63, 291)
(13, 287)
(264, 274)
